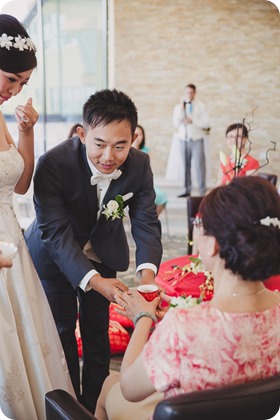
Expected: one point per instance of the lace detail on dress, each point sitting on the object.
(31, 357)
(45, 350)
(11, 168)
(12, 391)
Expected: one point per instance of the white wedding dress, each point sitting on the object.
(32, 361)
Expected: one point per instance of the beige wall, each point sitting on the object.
(228, 48)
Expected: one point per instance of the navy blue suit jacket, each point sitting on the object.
(66, 215)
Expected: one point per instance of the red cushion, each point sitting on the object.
(122, 319)
(118, 337)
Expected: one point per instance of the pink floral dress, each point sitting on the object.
(201, 347)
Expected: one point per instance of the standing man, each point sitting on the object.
(78, 241)
(190, 117)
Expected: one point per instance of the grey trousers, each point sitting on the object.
(193, 151)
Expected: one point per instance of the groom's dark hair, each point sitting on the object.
(107, 106)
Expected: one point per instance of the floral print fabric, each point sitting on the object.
(201, 347)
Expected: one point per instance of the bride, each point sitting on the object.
(32, 361)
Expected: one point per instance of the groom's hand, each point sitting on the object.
(108, 287)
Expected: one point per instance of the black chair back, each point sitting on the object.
(256, 400)
(60, 405)
(270, 177)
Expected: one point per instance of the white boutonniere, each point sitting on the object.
(115, 208)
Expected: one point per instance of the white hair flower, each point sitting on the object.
(30, 45)
(270, 221)
(6, 41)
(18, 42)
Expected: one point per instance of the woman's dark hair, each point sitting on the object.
(232, 214)
(236, 126)
(142, 144)
(107, 106)
(13, 60)
(73, 130)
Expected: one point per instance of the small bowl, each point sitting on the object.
(148, 291)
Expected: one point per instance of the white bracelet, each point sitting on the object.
(147, 314)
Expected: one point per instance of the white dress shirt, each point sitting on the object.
(200, 121)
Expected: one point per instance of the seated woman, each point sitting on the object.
(239, 163)
(139, 143)
(231, 339)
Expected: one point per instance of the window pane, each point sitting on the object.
(72, 63)
(74, 55)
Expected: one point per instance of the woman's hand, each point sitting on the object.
(162, 309)
(133, 303)
(26, 116)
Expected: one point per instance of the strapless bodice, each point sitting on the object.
(11, 168)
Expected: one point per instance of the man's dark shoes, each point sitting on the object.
(184, 195)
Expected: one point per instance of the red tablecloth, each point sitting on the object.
(175, 284)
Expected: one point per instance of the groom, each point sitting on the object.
(76, 248)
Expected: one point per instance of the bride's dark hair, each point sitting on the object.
(14, 60)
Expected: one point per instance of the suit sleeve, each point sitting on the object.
(54, 223)
(145, 225)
